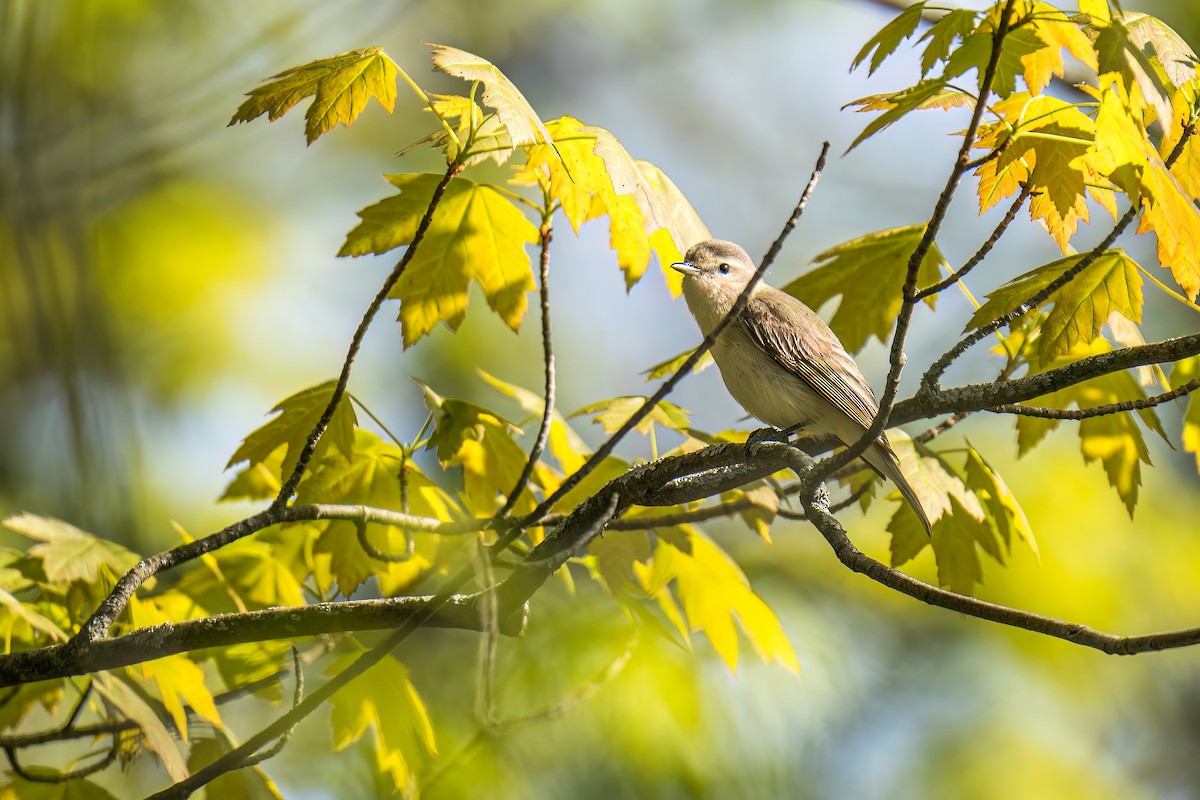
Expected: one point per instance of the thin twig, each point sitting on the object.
(896, 358)
(314, 437)
(983, 251)
(297, 696)
(63, 777)
(1096, 411)
(543, 434)
(649, 405)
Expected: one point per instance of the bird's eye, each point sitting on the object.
(723, 269)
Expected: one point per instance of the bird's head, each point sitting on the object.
(714, 274)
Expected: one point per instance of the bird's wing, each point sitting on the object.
(774, 320)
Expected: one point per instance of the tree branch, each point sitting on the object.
(223, 630)
(983, 251)
(1096, 411)
(854, 559)
(904, 319)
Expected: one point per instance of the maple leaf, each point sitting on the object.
(1173, 217)
(483, 444)
(924, 95)
(523, 124)
(592, 176)
(371, 477)
(611, 414)
(885, 42)
(298, 415)
(1185, 372)
(68, 554)
(340, 87)
(868, 273)
(1048, 136)
(385, 702)
(1111, 283)
(1115, 440)
(476, 234)
(955, 24)
(715, 592)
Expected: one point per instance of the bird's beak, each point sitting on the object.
(686, 267)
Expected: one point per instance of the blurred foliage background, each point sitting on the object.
(164, 281)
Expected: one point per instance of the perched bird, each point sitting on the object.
(780, 360)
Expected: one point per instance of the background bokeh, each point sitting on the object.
(165, 280)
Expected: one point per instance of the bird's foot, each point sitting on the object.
(769, 435)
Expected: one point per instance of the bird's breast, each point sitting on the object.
(765, 389)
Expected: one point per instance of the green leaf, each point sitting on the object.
(238, 784)
(258, 480)
(926, 94)
(1185, 372)
(616, 554)
(715, 593)
(371, 477)
(565, 445)
(1115, 440)
(483, 444)
(956, 24)
(339, 85)
(884, 43)
(611, 414)
(868, 273)
(675, 363)
(1004, 513)
(476, 234)
(514, 111)
(298, 415)
(385, 702)
(1111, 283)
(69, 554)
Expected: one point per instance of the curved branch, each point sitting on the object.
(1073, 632)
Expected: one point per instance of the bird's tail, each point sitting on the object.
(883, 460)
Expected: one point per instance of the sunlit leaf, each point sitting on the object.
(611, 414)
(1185, 372)
(1173, 217)
(131, 706)
(476, 234)
(483, 444)
(523, 123)
(884, 43)
(298, 415)
(69, 554)
(868, 273)
(385, 702)
(1111, 283)
(339, 85)
(565, 445)
(715, 593)
(928, 93)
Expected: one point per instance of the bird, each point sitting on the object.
(781, 362)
